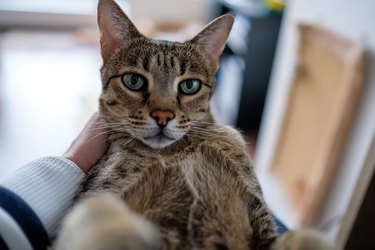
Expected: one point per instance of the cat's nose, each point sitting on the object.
(162, 117)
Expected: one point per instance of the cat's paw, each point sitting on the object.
(302, 240)
(105, 222)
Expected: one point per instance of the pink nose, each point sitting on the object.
(162, 117)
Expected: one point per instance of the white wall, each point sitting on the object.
(167, 10)
(354, 20)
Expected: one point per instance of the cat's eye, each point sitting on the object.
(133, 81)
(190, 86)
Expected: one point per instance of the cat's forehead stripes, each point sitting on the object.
(160, 58)
(171, 57)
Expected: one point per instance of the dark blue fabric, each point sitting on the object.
(25, 217)
(3, 246)
(281, 228)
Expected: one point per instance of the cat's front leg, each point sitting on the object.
(264, 234)
(103, 221)
(232, 152)
(261, 222)
(260, 218)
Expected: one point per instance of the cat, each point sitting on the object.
(172, 178)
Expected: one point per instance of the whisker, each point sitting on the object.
(197, 136)
(205, 137)
(108, 128)
(129, 140)
(203, 122)
(92, 138)
(203, 131)
(113, 117)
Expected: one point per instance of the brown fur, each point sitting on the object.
(199, 192)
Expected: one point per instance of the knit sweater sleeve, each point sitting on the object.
(48, 186)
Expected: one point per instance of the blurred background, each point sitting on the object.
(296, 77)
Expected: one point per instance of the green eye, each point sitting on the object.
(190, 86)
(133, 81)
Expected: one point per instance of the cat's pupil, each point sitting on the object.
(189, 84)
(134, 80)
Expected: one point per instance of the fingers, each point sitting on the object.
(90, 144)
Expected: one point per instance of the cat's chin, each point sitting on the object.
(158, 141)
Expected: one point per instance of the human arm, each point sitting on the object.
(89, 145)
(48, 185)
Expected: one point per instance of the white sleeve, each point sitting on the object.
(48, 185)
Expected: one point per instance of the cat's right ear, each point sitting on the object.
(211, 40)
(116, 29)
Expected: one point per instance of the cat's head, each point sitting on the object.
(156, 91)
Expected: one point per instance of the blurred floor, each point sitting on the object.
(49, 84)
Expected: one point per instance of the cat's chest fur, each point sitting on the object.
(189, 190)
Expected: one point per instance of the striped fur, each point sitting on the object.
(197, 192)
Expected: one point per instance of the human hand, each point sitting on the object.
(89, 145)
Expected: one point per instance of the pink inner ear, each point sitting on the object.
(214, 49)
(108, 48)
(211, 40)
(116, 30)
(110, 39)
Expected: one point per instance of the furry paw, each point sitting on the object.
(105, 222)
(302, 240)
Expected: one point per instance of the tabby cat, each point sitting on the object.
(171, 178)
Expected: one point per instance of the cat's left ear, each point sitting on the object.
(211, 40)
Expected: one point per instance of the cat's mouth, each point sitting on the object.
(159, 140)
(160, 135)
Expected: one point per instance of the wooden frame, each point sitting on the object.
(326, 87)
